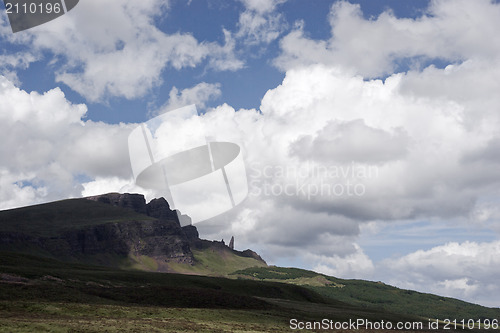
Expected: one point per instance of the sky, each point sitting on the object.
(368, 129)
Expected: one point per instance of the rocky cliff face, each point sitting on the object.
(163, 238)
(146, 235)
(158, 208)
(153, 238)
(155, 233)
(187, 236)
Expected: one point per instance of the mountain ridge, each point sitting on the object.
(64, 247)
(117, 230)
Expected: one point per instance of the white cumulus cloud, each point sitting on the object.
(49, 147)
(467, 270)
(451, 30)
(199, 95)
(260, 22)
(109, 48)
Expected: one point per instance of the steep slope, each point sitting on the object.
(117, 230)
(94, 232)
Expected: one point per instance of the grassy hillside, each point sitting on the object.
(44, 295)
(54, 218)
(134, 286)
(40, 293)
(373, 294)
(216, 262)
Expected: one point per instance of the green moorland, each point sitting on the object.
(44, 295)
(41, 294)
(368, 294)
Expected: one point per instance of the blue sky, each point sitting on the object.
(204, 20)
(406, 87)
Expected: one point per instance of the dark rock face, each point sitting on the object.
(252, 254)
(191, 232)
(161, 238)
(157, 208)
(149, 238)
(160, 209)
(135, 202)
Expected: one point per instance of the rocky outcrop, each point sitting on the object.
(157, 208)
(85, 230)
(160, 209)
(251, 254)
(152, 238)
(191, 232)
(113, 241)
(106, 243)
(136, 202)
(161, 238)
